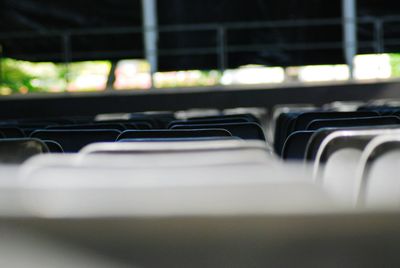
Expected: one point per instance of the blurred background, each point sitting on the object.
(79, 46)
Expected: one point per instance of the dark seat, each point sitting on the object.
(108, 126)
(12, 132)
(133, 124)
(16, 151)
(246, 131)
(179, 139)
(381, 109)
(138, 125)
(299, 121)
(47, 121)
(158, 120)
(173, 134)
(281, 130)
(295, 145)
(26, 128)
(54, 147)
(248, 117)
(74, 140)
(230, 120)
(303, 120)
(354, 122)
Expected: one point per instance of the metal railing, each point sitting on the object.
(223, 47)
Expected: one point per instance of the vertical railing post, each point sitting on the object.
(349, 13)
(1, 66)
(150, 35)
(378, 36)
(66, 44)
(221, 48)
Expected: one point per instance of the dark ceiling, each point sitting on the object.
(180, 50)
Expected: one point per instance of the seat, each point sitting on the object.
(320, 135)
(173, 134)
(338, 158)
(174, 146)
(128, 124)
(74, 140)
(298, 122)
(303, 120)
(154, 119)
(26, 128)
(162, 119)
(246, 131)
(249, 117)
(171, 154)
(17, 151)
(222, 120)
(180, 139)
(383, 110)
(377, 177)
(337, 139)
(354, 122)
(315, 141)
(54, 147)
(108, 126)
(12, 132)
(46, 121)
(275, 125)
(338, 174)
(282, 128)
(295, 145)
(343, 106)
(181, 190)
(136, 123)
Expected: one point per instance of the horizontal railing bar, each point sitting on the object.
(196, 27)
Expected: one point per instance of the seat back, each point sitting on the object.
(303, 120)
(230, 120)
(16, 151)
(246, 131)
(295, 145)
(354, 122)
(320, 135)
(179, 139)
(74, 140)
(172, 154)
(172, 134)
(12, 132)
(378, 182)
(282, 128)
(347, 141)
(249, 117)
(54, 147)
(96, 126)
(339, 172)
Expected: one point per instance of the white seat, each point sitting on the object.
(378, 184)
(158, 154)
(180, 146)
(68, 186)
(339, 174)
(9, 195)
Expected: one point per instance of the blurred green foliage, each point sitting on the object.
(22, 77)
(395, 63)
(28, 77)
(15, 79)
